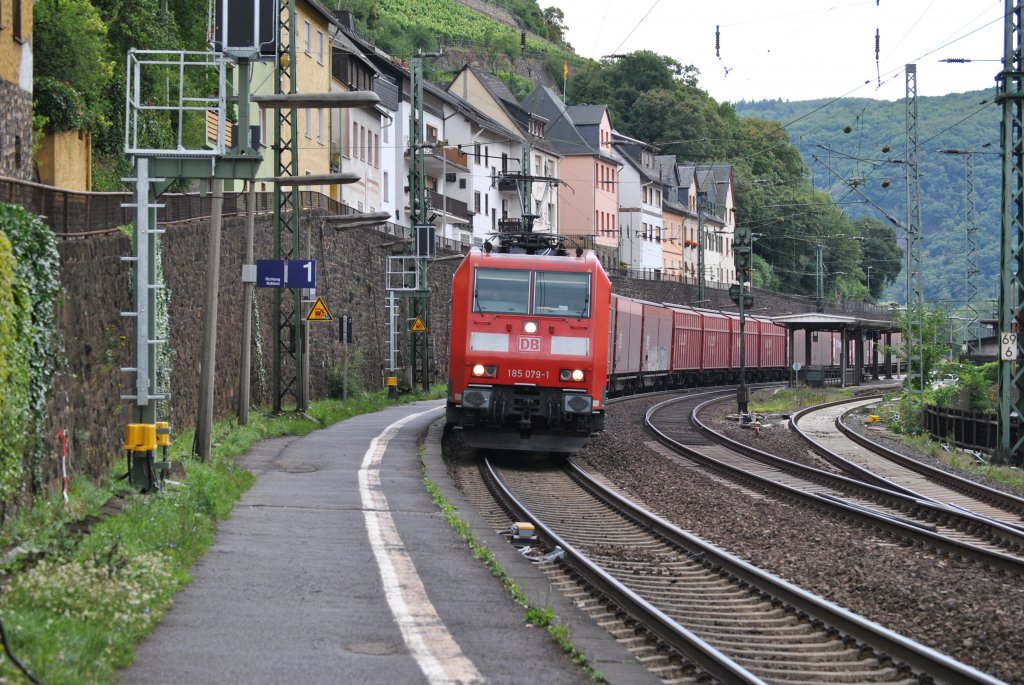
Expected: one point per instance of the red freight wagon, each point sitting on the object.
(686, 341)
(751, 331)
(822, 348)
(715, 350)
(773, 345)
(656, 339)
(627, 324)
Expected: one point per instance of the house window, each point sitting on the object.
(16, 20)
(320, 126)
(504, 163)
(376, 150)
(352, 141)
(386, 186)
(320, 46)
(309, 123)
(431, 134)
(307, 31)
(476, 152)
(551, 213)
(362, 143)
(476, 203)
(487, 203)
(536, 164)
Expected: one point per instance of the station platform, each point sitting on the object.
(336, 567)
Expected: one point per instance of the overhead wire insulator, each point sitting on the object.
(878, 68)
(718, 43)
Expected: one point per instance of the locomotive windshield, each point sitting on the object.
(502, 291)
(507, 291)
(562, 294)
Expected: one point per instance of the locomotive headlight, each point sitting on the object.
(530, 327)
(488, 371)
(571, 375)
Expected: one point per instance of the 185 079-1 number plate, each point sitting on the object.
(529, 374)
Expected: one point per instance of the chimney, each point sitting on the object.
(345, 19)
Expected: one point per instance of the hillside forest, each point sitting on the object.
(854, 149)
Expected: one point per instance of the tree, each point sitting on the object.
(554, 19)
(70, 49)
(883, 256)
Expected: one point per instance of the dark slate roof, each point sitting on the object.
(560, 130)
(587, 115)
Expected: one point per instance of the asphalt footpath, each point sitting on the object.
(336, 567)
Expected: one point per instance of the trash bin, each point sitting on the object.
(814, 376)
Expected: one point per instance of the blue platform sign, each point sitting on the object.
(301, 273)
(269, 273)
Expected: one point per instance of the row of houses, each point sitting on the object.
(491, 162)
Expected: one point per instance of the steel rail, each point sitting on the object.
(701, 653)
(991, 496)
(919, 657)
(884, 522)
(886, 493)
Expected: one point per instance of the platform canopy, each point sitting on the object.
(817, 321)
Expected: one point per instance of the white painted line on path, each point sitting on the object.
(433, 647)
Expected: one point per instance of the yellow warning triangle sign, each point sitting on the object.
(319, 312)
(418, 326)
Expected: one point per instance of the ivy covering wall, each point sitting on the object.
(29, 287)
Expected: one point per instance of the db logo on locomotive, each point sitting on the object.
(527, 344)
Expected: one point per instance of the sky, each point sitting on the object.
(801, 49)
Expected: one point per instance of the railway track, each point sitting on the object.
(725, 617)
(894, 511)
(851, 451)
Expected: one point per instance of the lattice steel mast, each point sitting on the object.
(1010, 447)
(287, 303)
(915, 276)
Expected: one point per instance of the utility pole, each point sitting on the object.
(915, 277)
(819, 278)
(423, 238)
(1010, 94)
(743, 260)
(970, 249)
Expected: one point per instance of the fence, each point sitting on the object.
(971, 429)
(79, 214)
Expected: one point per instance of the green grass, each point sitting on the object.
(965, 462)
(74, 606)
(791, 399)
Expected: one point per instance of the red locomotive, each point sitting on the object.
(529, 345)
(538, 343)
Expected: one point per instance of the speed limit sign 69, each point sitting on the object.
(1008, 347)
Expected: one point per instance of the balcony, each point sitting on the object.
(448, 205)
(438, 161)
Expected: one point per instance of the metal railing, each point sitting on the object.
(971, 429)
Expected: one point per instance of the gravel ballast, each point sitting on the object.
(969, 612)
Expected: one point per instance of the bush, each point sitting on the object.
(62, 105)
